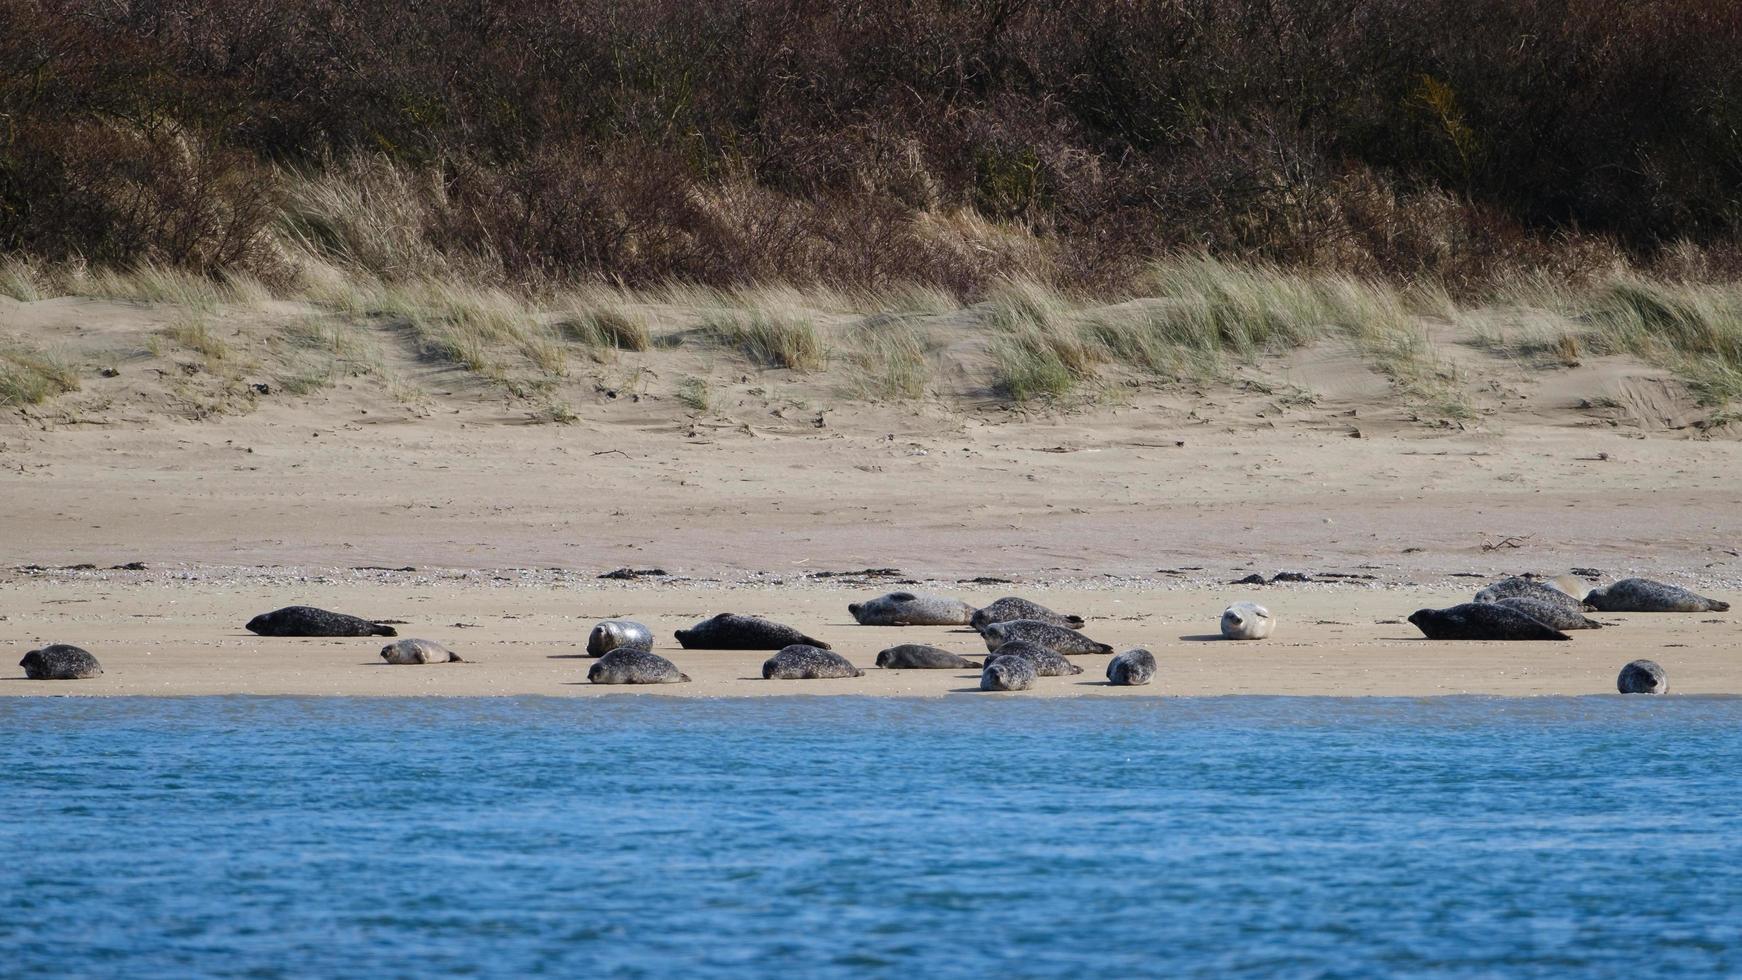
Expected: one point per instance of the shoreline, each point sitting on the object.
(184, 637)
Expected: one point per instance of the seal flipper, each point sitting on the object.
(381, 630)
(1077, 622)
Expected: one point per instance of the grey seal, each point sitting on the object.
(1481, 621)
(918, 656)
(1133, 668)
(1642, 677)
(1554, 615)
(1011, 608)
(309, 621)
(1644, 595)
(419, 652)
(729, 632)
(1531, 588)
(1058, 639)
(618, 634)
(1046, 662)
(1247, 621)
(635, 667)
(805, 662)
(908, 609)
(60, 662)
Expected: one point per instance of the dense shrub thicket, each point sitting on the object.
(861, 142)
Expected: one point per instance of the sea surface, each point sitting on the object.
(962, 837)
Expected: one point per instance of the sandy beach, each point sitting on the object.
(1136, 511)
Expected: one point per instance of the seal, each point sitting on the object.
(1011, 608)
(1531, 588)
(1481, 621)
(618, 634)
(908, 609)
(1015, 673)
(729, 632)
(918, 656)
(419, 652)
(1247, 621)
(1046, 662)
(805, 662)
(1644, 595)
(1642, 677)
(1554, 615)
(1133, 668)
(60, 662)
(635, 667)
(309, 621)
(1059, 639)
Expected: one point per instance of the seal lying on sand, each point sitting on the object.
(1008, 674)
(907, 609)
(1644, 595)
(1555, 615)
(635, 667)
(1046, 662)
(1011, 608)
(729, 632)
(918, 656)
(1132, 668)
(1058, 639)
(1481, 621)
(805, 662)
(309, 621)
(1529, 588)
(1247, 621)
(618, 634)
(60, 662)
(419, 652)
(1642, 677)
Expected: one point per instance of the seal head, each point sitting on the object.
(1642, 677)
(1132, 668)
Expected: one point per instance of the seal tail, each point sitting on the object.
(454, 658)
(1719, 606)
(381, 630)
(1076, 622)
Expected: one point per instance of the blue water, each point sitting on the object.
(270, 837)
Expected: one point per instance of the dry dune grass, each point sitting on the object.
(1189, 318)
(29, 376)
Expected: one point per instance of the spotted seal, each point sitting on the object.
(1529, 588)
(419, 652)
(806, 662)
(729, 632)
(1011, 608)
(1481, 621)
(1644, 595)
(635, 667)
(60, 662)
(618, 634)
(309, 621)
(1247, 621)
(1046, 662)
(918, 656)
(1059, 639)
(1133, 668)
(1554, 615)
(908, 609)
(1642, 677)
(1014, 673)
